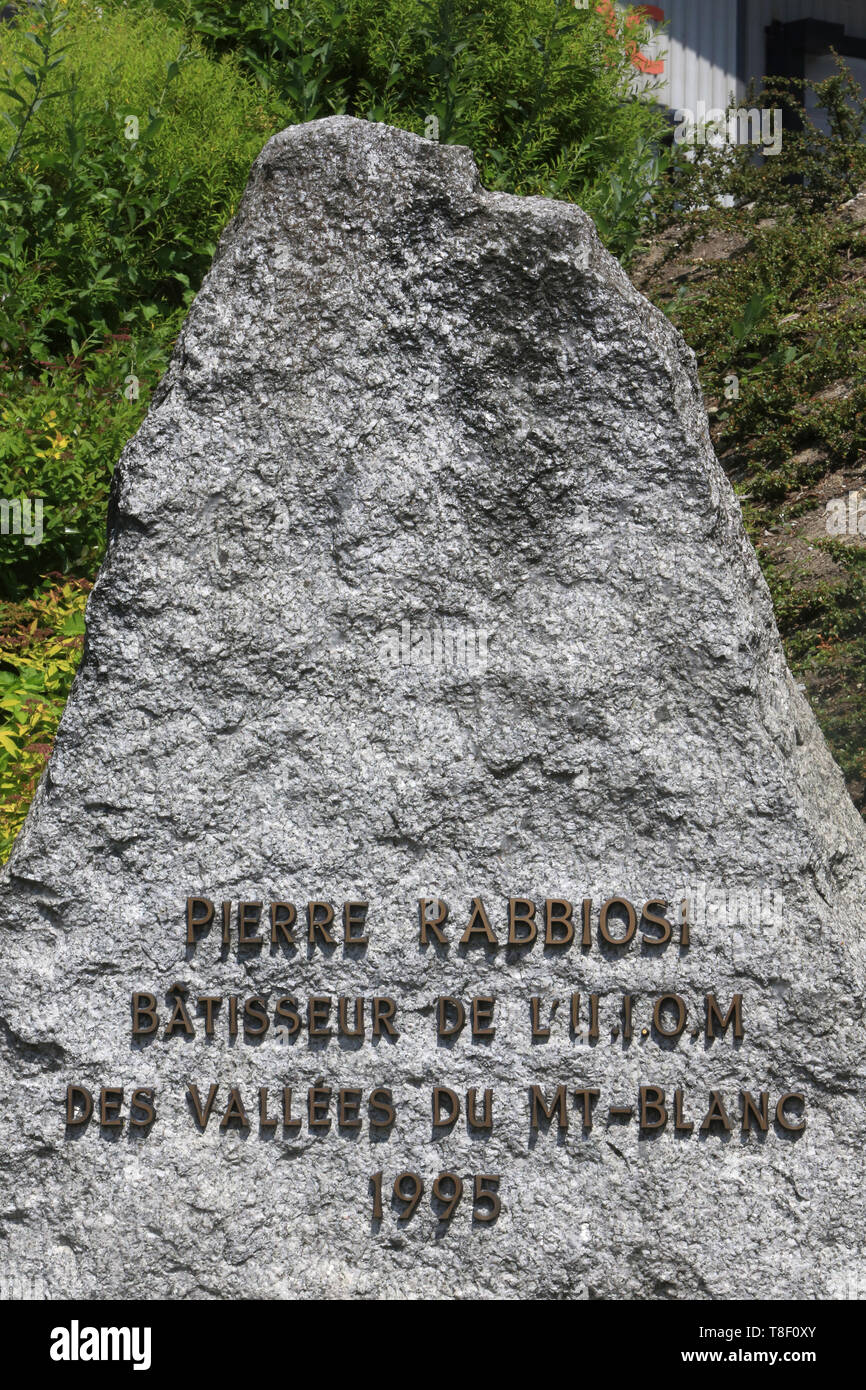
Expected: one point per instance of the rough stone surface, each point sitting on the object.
(400, 398)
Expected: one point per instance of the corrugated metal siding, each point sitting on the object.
(699, 47)
(700, 44)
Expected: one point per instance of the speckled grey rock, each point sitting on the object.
(402, 405)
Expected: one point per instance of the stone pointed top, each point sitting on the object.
(423, 581)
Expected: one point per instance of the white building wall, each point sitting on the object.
(699, 48)
(700, 45)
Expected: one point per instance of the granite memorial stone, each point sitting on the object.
(439, 886)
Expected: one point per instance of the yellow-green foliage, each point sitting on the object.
(214, 123)
(40, 646)
(60, 437)
(124, 147)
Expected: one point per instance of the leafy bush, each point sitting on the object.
(42, 641)
(125, 150)
(776, 314)
(60, 437)
(814, 169)
(541, 92)
(771, 317)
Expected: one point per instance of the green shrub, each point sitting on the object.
(105, 225)
(60, 437)
(814, 170)
(772, 317)
(41, 643)
(540, 91)
(778, 325)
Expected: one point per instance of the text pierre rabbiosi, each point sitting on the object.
(554, 925)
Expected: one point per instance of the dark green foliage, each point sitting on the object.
(778, 323)
(60, 437)
(814, 170)
(540, 91)
(106, 229)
